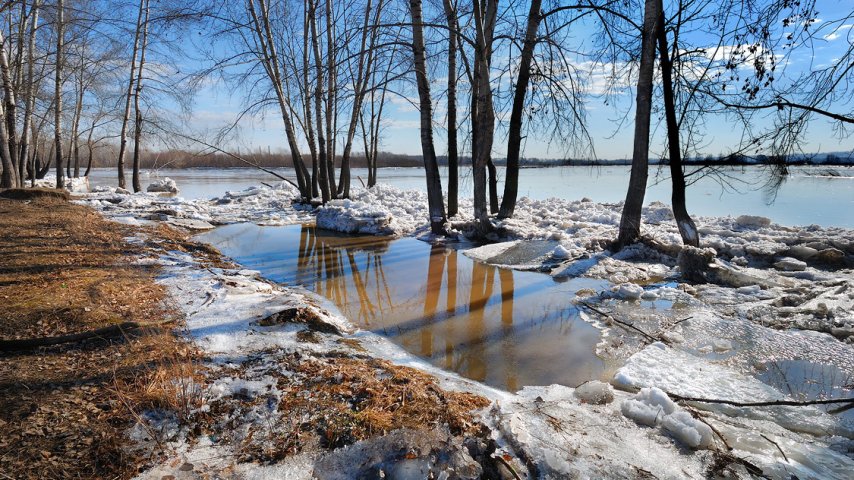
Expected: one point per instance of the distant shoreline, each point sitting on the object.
(574, 163)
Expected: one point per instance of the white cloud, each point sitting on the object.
(837, 33)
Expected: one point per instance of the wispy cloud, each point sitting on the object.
(837, 33)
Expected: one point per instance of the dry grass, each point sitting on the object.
(64, 410)
(381, 397)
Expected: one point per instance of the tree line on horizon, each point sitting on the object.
(89, 80)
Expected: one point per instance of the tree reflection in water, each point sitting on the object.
(503, 327)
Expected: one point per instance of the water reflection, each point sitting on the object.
(502, 327)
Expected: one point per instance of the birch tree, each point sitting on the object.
(123, 135)
(137, 135)
(57, 100)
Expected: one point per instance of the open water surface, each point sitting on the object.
(808, 195)
(502, 327)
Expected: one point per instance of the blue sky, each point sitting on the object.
(216, 106)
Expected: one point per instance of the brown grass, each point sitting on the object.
(64, 410)
(353, 399)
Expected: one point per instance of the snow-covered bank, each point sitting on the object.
(263, 205)
(774, 276)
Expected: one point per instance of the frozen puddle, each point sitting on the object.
(505, 328)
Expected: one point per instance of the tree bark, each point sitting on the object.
(75, 121)
(687, 228)
(453, 154)
(57, 102)
(323, 170)
(493, 185)
(330, 113)
(9, 137)
(435, 202)
(484, 114)
(514, 134)
(631, 217)
(90, 147)
(365, 65)
(309, 128)
(10, 177)
(123, 135)
(29, 97)
(270, 61)
(137, 131)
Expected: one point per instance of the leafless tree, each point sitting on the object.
(57, 100)
(435, 201)
(630, 221)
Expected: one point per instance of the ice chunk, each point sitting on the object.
(752, 221)
(166, 185)
(649, 295)
(560, 252)
(789, 264)
(648, 407)
(628, 291)
(595, 392)
(687, 430)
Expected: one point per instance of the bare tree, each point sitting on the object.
(435, 202)
(514, 135)
(453, 154)
(137, 135)
(687, 228)
(30, 90)
(123, 140)
(483, 115)
(57, 101)
(630, 220)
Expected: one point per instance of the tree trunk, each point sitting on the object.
(493, 185)
(137, 131)
(9, 137)
(330, 101)
(10, 176)
(687, 228)
(365, 65)
(453, 154)
(631, 217)
(270, 61)
(8, 179)
(309, 128)
(484, 113)
(29, 96)
(75, 121)
(435, 202)
(123, 136)
(323, 169)
(514, 134)
(57, 103)
(90, 148)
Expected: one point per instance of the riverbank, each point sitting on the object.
(172, 382)
(65, 409)
(714, 335)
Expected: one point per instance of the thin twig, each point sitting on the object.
(699, 417)
(625, 324)
(776, 445)
(769, 403)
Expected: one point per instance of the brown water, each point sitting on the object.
(502, 327)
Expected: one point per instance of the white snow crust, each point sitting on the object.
(715, 354)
